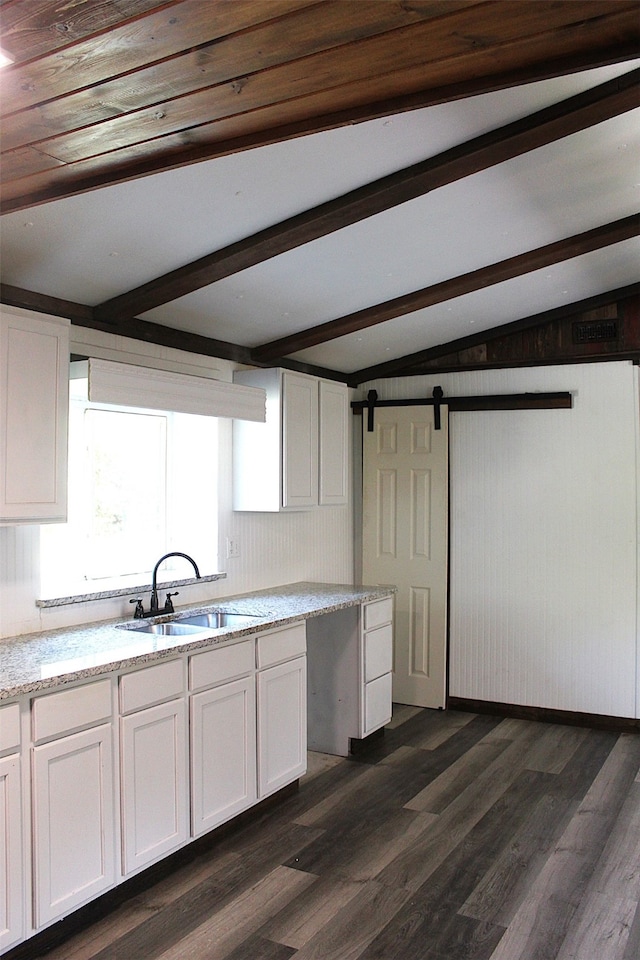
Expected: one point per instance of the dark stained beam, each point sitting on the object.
(81, 315)
(412, 363)
(41, 303)
(553, 123)
(516, 266)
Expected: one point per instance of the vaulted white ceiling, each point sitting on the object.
(91, 247)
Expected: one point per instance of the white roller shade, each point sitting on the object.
(132, 386)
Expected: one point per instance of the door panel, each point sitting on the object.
(405, 520)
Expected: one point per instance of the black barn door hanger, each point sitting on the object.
(507, 401)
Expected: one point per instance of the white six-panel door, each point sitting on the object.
(405, 520)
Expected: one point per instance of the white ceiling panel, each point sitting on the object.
(517, 206)
(89, 248)
(94, 246)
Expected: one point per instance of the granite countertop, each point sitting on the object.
(41, 661)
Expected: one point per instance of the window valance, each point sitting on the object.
(129, 385)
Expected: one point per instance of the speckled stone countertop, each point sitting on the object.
(40, 661)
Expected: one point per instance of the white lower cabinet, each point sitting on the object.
(376, 665)
(202, 737)
(72, 802)
(376, 704)
(153, 762)
(223, 753)
(282, 708)
(73, 821)
(11, 892)
(12, 913)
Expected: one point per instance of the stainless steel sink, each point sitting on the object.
(168, 629)
(218, 618)
(196, 623)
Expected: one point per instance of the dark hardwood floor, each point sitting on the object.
(454, 836)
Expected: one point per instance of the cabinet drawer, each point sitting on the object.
(9, 727)
(164, 681)
(378, 612)
(58, 713)
(281, 645)
(378, 652)
(377, 703)
(225, 663)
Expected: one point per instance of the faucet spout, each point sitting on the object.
(154, 584)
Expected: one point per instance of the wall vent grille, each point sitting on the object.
(595, 331)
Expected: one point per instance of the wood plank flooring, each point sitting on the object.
(453, 837)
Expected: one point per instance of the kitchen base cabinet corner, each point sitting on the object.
(350, 661)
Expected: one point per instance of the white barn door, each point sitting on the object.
(405, 525)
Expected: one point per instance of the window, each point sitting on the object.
(141, 483)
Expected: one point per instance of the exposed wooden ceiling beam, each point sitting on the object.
(81, 315)
(553, 123)
(411, 363)
(551, 253)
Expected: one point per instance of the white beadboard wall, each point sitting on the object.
(274, 548)
(544, 539)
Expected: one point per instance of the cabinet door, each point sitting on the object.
(334, 443)
(11, 892)
(282, 725)
(154, 783)
(223, 753)
(300, 441)
(376, 707)
(34, 388)
(73, 815)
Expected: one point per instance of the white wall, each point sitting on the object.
(544, 539)
(274, 548)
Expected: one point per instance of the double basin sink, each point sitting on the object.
(191, 624)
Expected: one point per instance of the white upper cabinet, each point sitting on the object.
(334, 443)
(299, 441)
(298, 458)
(34, 390)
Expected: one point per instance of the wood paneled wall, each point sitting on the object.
(610, 331)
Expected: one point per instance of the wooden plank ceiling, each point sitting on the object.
(106, 91)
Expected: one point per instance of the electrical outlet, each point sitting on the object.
(233, 548)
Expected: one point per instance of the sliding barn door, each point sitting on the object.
(405, 523)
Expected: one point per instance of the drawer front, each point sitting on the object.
(58, 713)
(377, 704)
(378, 612)
(281, 645)
(10, 727)
(164, 681)
(378, 652)
(225, 663)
